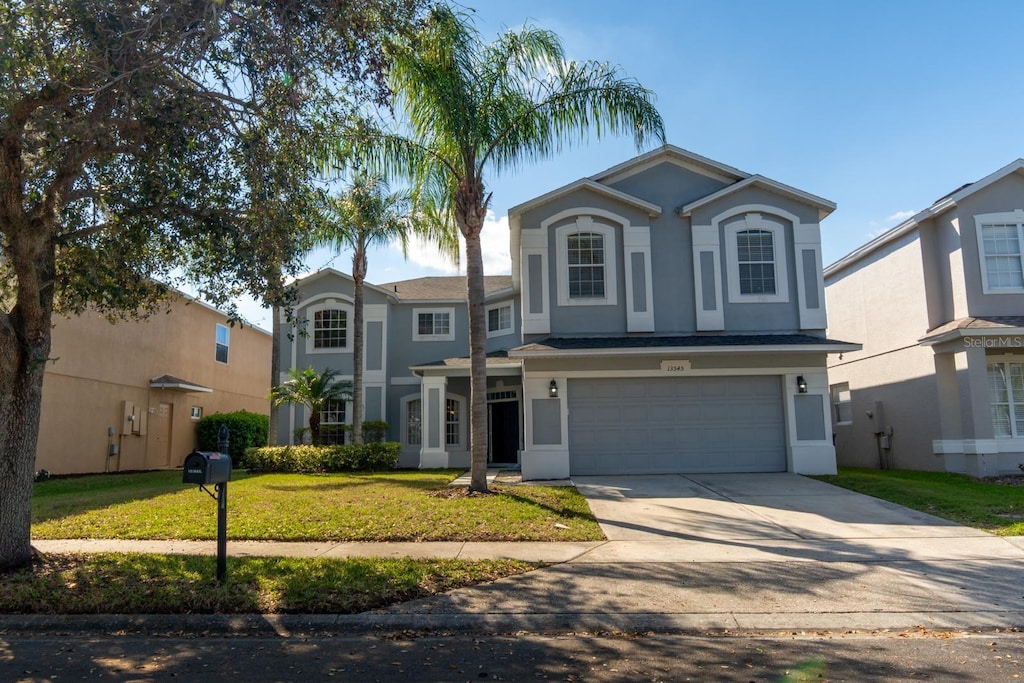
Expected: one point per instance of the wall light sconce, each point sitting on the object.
(553, 389)
(801, 384)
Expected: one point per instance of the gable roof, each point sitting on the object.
(324, 272)
(940, 205)
(671, 153)
(587, 184)
(443, 288)
(824, 206)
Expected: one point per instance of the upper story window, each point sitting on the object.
(1006, 396)
(433, 324)
(756, 267)
(327, 327)
(755, 256)
(223, 341)
(499, 320)
(1001, 247)
(330, 329)
(586, 263)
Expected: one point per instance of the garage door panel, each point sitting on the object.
(708, 424)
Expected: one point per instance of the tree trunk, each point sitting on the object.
(358, 275)
(275, 374)
(477, 359)
(24, 350)
(21, 395)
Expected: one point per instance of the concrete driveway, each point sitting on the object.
(756, 517)
(751, 551)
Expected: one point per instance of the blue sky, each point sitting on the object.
(881, 107)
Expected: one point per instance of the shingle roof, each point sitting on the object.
(493, 358)
(992, 322)
(172, 382)
(696, 340)
(443, 288)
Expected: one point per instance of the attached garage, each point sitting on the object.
(665, 425)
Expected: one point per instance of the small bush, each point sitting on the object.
(374, 431)
(245, 430)
(322, 459)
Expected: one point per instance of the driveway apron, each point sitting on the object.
(756, 551)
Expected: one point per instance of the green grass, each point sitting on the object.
(996, 508)
(392, 506)
(178, 584)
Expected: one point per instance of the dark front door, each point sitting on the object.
(504, 422)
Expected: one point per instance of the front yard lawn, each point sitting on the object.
(108, 583)
(389, 506)
(997, 508)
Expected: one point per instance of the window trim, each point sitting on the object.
(755, 220)
(309, 317)
(346, 418)
(1012, 400)
(1015, 216)
(503, 331)
(416, 336)
(584, 224)
(834, 399)
(226, 344)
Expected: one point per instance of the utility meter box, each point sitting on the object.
(203, 467)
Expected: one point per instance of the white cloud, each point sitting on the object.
(494, 240)
(899, 216)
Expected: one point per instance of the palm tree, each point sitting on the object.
(314, 390)
(472, 107)
(369, 215)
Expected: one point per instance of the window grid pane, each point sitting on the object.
(451, 423)
(433, 324)
(330, 329)
(332, 423)
(755, 254)
(414, 423)
(586, 265)
(499, 319)
(1006, 395)
(1003, 265)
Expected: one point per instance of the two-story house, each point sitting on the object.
(938, 302)
(666, 315)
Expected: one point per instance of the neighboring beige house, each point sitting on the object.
(127, 396)
(938, 304)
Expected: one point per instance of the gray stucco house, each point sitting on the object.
(938, 302)
(665, 315)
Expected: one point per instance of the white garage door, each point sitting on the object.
(654, 425)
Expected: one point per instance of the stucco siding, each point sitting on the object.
(99, 366)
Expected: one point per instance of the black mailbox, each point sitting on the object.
(203, 467)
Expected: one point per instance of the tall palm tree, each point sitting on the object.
(314, 390)
(471, 107)
(370, 215)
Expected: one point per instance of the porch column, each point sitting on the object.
(432, 395)
(968, 443)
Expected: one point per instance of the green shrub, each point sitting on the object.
(374, 431)
(321, 459)
(245, 430)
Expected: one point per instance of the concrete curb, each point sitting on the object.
(371, 623)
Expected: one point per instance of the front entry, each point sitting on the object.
(503, 431)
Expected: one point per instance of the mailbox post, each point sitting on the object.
(205, 468)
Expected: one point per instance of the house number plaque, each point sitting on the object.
(675, 366)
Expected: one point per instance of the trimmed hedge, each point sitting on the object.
(322, 459)
(245, 430)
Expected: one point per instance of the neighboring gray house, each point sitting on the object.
(666, 315)
(938, 302)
